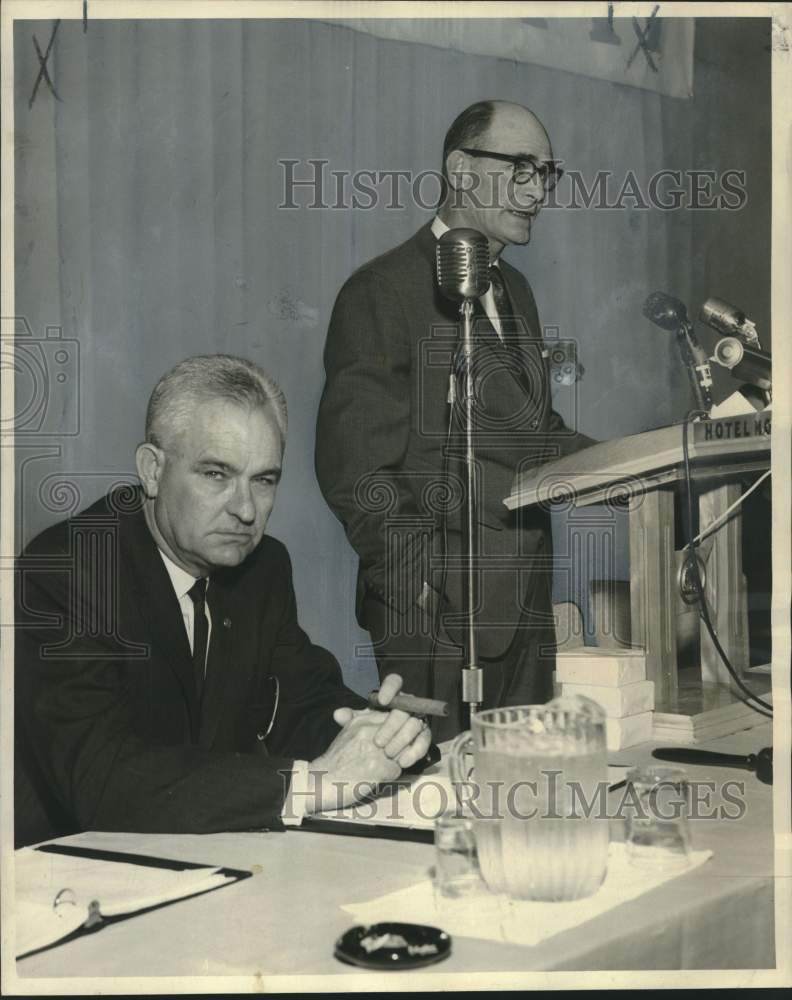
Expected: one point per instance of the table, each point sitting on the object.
(285, 919)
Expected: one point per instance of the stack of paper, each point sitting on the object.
(616, 680)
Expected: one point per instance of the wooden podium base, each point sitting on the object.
(701, 712)
(646, 474)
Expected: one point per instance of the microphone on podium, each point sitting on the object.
(665, 311)
(739, 349)
(670, 314)
(729, 321)
(753, 367)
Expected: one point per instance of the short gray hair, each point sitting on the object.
(209, 377)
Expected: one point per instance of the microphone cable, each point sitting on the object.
(706, 532)
(692, 563)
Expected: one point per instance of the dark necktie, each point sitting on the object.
(200, 633)
(501, 296)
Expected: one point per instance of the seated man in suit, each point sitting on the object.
(162, 681)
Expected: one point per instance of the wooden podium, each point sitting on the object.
(642, 473)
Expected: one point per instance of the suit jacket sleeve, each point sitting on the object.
(78, 727)
(560, 438)
(567, 440)
(310, 685)
(364, 427)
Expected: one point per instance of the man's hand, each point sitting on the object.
(372, 747)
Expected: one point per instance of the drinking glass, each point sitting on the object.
(657, 808)
(456, 871)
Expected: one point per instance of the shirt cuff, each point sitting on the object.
(294, 804)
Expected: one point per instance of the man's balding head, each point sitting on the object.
(472, 125)
(480, 191)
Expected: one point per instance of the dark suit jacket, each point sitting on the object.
(382, 431)
(109, 736)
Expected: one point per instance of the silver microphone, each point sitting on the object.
(463, 275)
(463, 264)
(744, 363)
(728, 352)
(729, 321)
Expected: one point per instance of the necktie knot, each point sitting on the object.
(197, 593)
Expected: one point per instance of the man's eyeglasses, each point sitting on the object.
(525, 168)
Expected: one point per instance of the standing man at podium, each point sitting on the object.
(387, 454)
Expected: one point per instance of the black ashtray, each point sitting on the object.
(393, 946)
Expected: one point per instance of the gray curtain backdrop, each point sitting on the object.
(148, 228)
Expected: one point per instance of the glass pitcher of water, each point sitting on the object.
(537, 794)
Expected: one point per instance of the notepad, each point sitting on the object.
(62, 889)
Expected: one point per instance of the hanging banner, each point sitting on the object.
(653, 53)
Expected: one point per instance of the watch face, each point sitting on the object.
(393, 946)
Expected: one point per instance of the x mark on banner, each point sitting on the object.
(642, 40)
(42, 73)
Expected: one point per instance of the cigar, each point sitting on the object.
(411, 703)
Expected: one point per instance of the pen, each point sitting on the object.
(411, 703)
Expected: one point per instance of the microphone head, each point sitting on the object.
(729, 352)
(723, 318)
(463, 264)
(764, 766)
(665, 311)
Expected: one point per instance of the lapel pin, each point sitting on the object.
(226, 623)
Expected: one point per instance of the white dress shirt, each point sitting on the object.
(294, 804)
(182, 583)
(487, 300)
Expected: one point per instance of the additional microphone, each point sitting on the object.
(665, 311)
(729, 321)
(670, 314)
(760, 763)
(745, 364)
(463, 264)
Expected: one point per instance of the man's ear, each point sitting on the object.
(150, 461)
(458, 170)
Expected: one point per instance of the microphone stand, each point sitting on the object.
(472, 674)
(697, 364)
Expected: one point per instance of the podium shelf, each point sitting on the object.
(633, 465)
